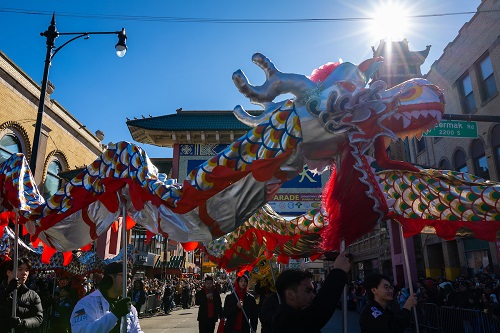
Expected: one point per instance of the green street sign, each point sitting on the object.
(454, 129)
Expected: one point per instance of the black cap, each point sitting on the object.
(113, 268)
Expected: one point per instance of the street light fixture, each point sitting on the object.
(51, 34)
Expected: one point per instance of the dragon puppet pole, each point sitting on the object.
(123, 327)
(344, 297)
(408, 273)
(237, 300)
(274, 279)
(16, 263)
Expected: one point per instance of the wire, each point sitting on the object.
(173, 19)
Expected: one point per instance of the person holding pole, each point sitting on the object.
(376, 317)
(103, 310)
(301, 310)
(29, 311)
(240, 309)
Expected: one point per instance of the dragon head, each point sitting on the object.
(336, 105)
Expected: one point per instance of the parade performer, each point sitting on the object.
(376, 317)
(208, 298)
(302, 310)
(29, 311)
(102, 310)
(240, 308)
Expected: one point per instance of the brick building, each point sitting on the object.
(65, 143)
(469, 73)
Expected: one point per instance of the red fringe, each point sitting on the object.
(350, 210)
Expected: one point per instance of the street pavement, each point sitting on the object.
(184, 321)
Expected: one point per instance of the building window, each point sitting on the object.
(479, 159)
(460, 162)
(444, 165)
(52, 182)
(467, 95)
(487, 78)
(495, 143)
(420, 145)
(9, 144)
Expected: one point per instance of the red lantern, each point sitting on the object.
(190, 246)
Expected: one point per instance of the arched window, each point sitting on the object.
(495, 143)
(460, 162)
(52, 181)
(479, 159)
(444, 164)
(9, 144)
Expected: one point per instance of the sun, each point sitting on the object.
(390, 21)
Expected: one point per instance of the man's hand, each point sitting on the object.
(411, 302)
(16, 322)
(342, 262)
(12, 285)
(122, 307)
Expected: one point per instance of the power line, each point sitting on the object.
(174, 19)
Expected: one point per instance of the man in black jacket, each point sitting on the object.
(29, 312)
(377, 317)
(208, 298)
(302, 310)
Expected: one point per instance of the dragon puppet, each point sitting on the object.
(335, 119)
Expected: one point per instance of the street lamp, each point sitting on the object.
(51, 34)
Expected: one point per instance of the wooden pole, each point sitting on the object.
(16, 264)
(408, 273)
(123, 328)
(344, 297)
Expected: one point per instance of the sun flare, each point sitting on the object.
(390, 22)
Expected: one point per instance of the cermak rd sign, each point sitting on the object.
(454, 129)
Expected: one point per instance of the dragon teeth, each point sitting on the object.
(406, 122)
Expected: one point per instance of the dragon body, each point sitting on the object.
(335, 120)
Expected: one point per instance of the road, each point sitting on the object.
(184, 321)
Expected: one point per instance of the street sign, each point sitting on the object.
(454, 129)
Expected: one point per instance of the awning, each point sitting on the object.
(175, 262)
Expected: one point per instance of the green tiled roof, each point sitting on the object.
(164, 165)
(192, 121)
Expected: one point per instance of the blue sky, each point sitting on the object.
(189, 64)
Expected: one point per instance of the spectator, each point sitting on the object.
(186, 296)
(29, 311)
(267, 311)
(137, 295)
(167, 298)
(62, 311)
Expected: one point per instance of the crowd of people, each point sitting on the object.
(481, 292)
(48, 302)
(298, 303)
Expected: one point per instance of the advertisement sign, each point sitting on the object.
(295, 203)
(295, 197)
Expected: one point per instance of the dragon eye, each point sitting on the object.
(312, 106)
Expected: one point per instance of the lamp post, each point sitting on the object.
(51, 34)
